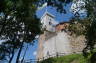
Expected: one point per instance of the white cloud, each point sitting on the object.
(77, 6)
(37, 36)
(35, 53)
(1, 41)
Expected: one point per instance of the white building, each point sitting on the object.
(48, 22)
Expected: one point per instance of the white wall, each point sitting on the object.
(63, 43)
(59, 43)
(45, 22)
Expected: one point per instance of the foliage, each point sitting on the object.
(73, 58)
(92, 29)
(79, 27)
(58, 4)
(18, 24)
(78, 8)
(89, 29)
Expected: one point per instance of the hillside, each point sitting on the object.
(73, 58)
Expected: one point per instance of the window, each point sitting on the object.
(50, 23)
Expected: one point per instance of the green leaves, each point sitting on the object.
(58, 4)
(19, 24)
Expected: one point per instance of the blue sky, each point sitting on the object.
(58, 16)
(30, 51)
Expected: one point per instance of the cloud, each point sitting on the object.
(35, 53)
(1, 41)
(37, 36)
(77, 6)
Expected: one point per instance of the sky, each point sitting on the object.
(58, 16)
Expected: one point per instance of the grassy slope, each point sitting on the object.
(73, 58)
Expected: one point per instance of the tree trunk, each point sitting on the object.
(11, 56)
(24, 54)
(20, 50)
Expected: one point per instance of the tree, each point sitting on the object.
(58, 4)
(19, 24)
(90, 30)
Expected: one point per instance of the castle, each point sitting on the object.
(57, 39)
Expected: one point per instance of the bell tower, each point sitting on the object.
(48, 22)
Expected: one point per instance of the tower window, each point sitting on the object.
(50, 23)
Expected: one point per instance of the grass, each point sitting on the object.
(73, 58)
